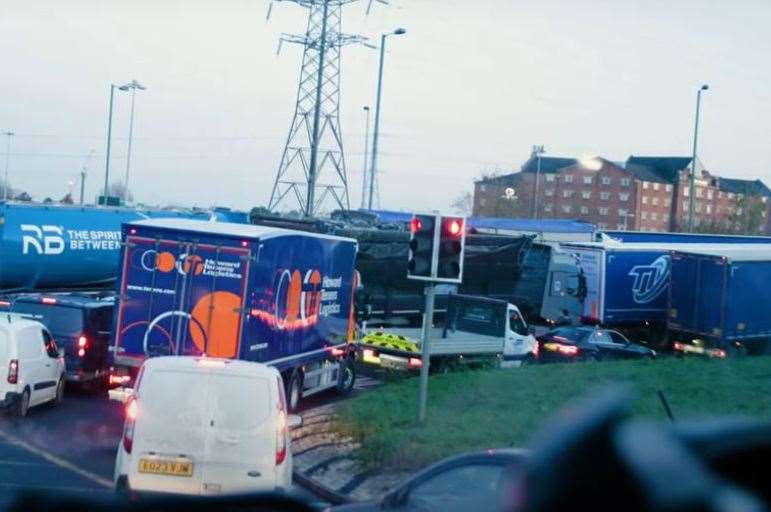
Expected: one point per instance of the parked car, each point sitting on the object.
(201, 426)
(35, 365)
(81, 325)
(472, 481)
(589, 344)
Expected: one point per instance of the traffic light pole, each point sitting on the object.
(428, 319)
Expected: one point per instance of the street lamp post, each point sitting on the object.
(8, 134)
(373, 165)
(106, 192)
(537, 151)
(133, 85)
(692, 182)
(366, 159)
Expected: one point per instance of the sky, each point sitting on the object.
(468, 89)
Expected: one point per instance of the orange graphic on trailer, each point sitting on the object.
(165, 261)
(188, 263)
(220, 315)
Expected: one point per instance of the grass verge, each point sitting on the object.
(497, 408)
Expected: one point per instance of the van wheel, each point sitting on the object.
(347, 377)
(23, 405)
(592, 358)
(59, 392)
(294, 391)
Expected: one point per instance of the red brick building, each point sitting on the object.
(644, 193)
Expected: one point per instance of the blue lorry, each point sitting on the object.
(270, 295)
(723, 305)
(654, 237)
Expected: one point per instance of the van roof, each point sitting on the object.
(247, 231)
(615, 245)
(215, 364)
(17, 321)
(72, 300)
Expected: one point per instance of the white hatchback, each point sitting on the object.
(199, 425)
(35, 366)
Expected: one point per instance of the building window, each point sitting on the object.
(566, 208)
(548, 192)
(667, 202)
(739, 211)
(730, 195)
(568, 178)
(654, 216)
(709, 193)
(622, 212)
(604, 196)
(645, 200)
(547, 207)
(483, 188)
(685, 192)
(739, 196)
(655, 186)
(764, 199)
(644, 215)
(586, 194)
(697, 207)
(620, 227)
(709, 208)
(567, 193)
(699, 192)
(587, 180)
(549, 177)
(585, 210)
(602, 225)
(625, 182)
(668, 187)
(603, 211)
(645, 184)
(606, 180)
(623, 196)
(720, 194)
(655, 201)
(482, 201)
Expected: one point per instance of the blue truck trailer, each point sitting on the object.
(655, 237)
(64, 247)
(269, 295)
(724, 303)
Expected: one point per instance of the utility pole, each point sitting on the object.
(133, 85)
(8, 134)
(109, 142)
(537, 151)
(692, 183)
(376, 137)
(309, 197)
(366, 159)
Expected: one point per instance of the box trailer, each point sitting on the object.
(720, 301)
(268, 295)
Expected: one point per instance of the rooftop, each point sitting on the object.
(747, 187)
(663, 169)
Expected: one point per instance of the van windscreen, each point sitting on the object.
(173, 398)
(239, 403)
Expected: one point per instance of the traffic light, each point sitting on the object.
(422, 228)
(452, 237)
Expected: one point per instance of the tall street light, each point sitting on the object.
(366, 159)
(133, 86)
(373, 165)
(692, 184)
(537, 152)
(8, 134)
(106, 193)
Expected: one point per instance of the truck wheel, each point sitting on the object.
(23, 405)
(294, 390)
(347, 377)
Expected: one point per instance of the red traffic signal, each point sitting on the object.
(453, 227)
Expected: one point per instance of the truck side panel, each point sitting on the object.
(748, 308)
(300, 300)
(635, 286)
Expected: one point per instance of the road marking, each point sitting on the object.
(15, 441)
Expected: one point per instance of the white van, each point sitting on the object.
(34, 366)
(201, 425)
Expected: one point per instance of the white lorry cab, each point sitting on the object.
(204, 426)
(34, 365)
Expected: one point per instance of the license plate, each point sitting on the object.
(166, 467)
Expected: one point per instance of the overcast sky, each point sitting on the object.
(469, 88)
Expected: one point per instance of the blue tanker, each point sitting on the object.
(63, 247)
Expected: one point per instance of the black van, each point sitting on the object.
(80, 324)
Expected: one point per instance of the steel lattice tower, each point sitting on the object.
(312, 169)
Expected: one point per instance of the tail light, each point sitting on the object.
(679, 346)
(82, 345)
(132, 409)
(337, 352)
(282, 428)
(414, 362)
(13, 371)
(537, 349)
(569, 350)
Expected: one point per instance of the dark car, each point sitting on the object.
(588, 344)
(473, 481)
(80, 324)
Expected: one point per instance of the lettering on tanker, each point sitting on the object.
(50, 240)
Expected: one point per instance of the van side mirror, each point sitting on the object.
(120, 394)
(294, 421)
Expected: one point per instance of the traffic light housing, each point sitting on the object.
(436, 248)
(451, 248)
(422, 236)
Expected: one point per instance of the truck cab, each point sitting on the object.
(80, 324)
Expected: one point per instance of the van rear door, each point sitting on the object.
(170, 432)
(240, 448)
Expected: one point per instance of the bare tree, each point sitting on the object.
(118, 189)
(463, 203)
